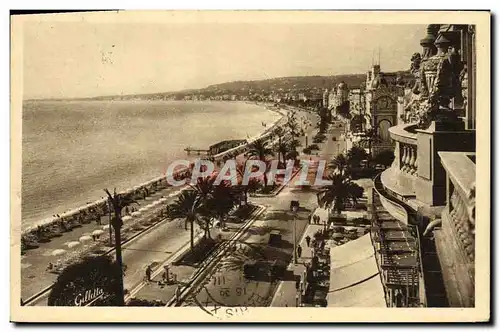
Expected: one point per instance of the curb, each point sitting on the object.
(211, 262)
(41, 293)
(181, 251)
(280, 189)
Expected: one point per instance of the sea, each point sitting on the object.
(72, 150)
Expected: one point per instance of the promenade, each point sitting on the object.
(163, 241)
(225, 285)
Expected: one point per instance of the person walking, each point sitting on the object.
(308, 240)
(299, 251)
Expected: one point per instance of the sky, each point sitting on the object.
(82, 59)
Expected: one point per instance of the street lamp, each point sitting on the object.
(109, 223)
(294, 207)
(118, 201)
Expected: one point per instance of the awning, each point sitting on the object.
(354, 276)
(369, 293)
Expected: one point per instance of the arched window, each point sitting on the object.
(383, 130)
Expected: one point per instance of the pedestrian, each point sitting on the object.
(148, 273)
(308, 240)
(299, 251)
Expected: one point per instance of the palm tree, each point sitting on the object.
(118, 202)
(252, 185)
(186, 206)
(281, 147)
(221, 201)
(204, 188)
(341, 191)
(371, 136)
(340, 163)
(355, 156)
(260, 150)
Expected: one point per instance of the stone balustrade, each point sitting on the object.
(455, 239)
(406, 148)
(461, 202)
(408, 158)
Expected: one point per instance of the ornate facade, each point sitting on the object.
(381, 98)
(338, 99)
(433, 175)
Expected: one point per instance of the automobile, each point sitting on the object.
(274, 238)
(264, 269)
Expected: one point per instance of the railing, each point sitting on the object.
(390, 204)
(408, 160)
(407, 145)
(415, 297)
(461, 200)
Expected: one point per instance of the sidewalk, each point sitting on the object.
(34, 274)
(286, 291)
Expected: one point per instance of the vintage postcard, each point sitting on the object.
(250, 166)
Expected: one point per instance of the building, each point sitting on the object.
(325, 99)
(429, 191)
(381, 111)
(338, 100)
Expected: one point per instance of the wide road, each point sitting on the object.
(155, 245)
(227, 286)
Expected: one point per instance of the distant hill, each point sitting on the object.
(245, 88)
(290, 83)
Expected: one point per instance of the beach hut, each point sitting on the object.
(84, 239)
(73, 244)
(58, 252)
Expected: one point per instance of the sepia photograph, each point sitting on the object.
(250, 166)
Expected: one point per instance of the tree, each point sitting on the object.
(221, 201)
(252, 186)
(355, 156)
(384, 158)
(93, 280)
(341, 191)
(340, 164)
(371, 136)
(186, 206)
(260, 151)
(281, 146)
(118, 202)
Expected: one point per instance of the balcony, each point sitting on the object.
(399, 179)
(416, 176)
(456, 238)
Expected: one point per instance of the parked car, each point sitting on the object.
(263, 269)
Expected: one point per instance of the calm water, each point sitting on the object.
(73, 150)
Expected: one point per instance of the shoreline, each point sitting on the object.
(101, 204)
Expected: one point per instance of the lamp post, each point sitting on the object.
(294, 207)
(117, 201)
(109, 224)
